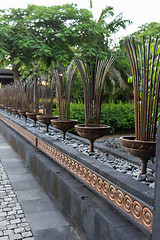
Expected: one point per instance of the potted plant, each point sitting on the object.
(23, 105)
(146, 86)
(33, 96)
(63, 84)
(47, 92)
(93, 74)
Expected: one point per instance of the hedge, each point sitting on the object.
(120, 116)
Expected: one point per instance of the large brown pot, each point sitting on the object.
(33, 116)
(144, 150)
(91, 133)
(1, 106)
(23, 114)
(46, 119)
(15, 111)
(64, 125)
(10, 110)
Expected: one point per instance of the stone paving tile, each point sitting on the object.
(59, 233)
(13, 224)
(38, 205)
(51, 219)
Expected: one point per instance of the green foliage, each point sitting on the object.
(50, 34)
(146, 30)
(120, 116)
(122, 63)
(77, 88)
(77, 111)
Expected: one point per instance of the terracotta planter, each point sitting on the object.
(23, 114)
(63, 125)
(1, 106)
(91, 133)
(46, 119)
(15, 111)
(5, 109)
(33, 116)
(144, 150)
(9, 109)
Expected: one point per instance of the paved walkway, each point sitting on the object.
(26, 211)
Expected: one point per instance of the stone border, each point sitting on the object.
(130, 206)
(109, 191)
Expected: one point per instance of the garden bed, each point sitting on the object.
(94, 174)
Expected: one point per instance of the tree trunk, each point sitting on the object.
(16, 73)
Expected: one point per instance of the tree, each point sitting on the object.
(40, 36)
(121, 59)
(18, 44)
(152, 28)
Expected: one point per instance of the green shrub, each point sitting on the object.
(77, 112)
(120, 116)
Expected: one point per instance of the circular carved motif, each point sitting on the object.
(137, 209)
(99, 184)
(112, 192)
(80, 170)
(89, 177)
(84, 173)
(62, 158)
(119, 197)
(147, 216)
(94, 180)
(76, 168)
(57, 156)
(127, 203)
(69, 163)
(105, 188)
(65, 161)
(72, 166)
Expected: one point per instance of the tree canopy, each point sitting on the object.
(44, 35)
(152, 28)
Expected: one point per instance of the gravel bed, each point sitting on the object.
(113, 143)
(118, 164)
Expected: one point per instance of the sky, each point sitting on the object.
(138, 11)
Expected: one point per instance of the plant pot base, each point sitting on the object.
(23, 114)
(32, 115)
(63, 125)
(45, 119)
(92, 133)
(141, 177)
(144, 150)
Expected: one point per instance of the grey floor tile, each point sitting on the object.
(14, 159)
(31, 194)
(16, 170)
(25, 185)
(4, 146)
(7, 153)
(38, 205)
(46, 220)
(21, 177)
(60, 233)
